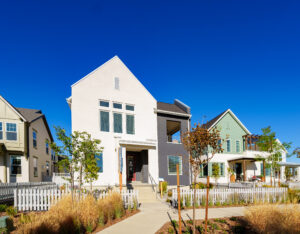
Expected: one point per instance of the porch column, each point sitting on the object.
(264, 170)
(244, 169)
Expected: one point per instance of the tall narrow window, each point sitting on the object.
(130, 124)
(99, 158)
(117, 83)
(172, 162)
(117, 123)
(104, 121)
(238, 147)
(228, 148)
(35, 167)
(11, 131)
(34, 138)
(47, 168)
(15, 165)
(47, 147)
(1, 131)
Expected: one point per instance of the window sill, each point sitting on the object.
(175, 143)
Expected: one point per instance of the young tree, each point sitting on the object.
(202, 145)
(297, 152)
(267, 142)
(216, 171)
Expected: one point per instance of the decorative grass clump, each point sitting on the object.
(79, 216)
(274, 218)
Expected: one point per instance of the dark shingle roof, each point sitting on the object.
(170, 107)
(29, 114)
(213, 121)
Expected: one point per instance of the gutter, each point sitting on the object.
(171, 113)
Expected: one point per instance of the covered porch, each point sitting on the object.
(292, 171)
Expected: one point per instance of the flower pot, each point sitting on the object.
(232, 178)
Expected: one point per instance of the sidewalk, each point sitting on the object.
(154, 215)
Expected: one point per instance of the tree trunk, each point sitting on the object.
(80, 181)
(194, 205)
(206, 205)
(91, 187)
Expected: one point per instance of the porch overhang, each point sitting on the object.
(251, 159)
(289, 164)
(138, 144)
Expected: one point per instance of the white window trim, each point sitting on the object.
(228, 139)
(11, 164)
(3, 135)
(104, 107)
(10, 131)
(180, 173)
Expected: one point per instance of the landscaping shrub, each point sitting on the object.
(164, 185)
(78, 217)
(294, 196)
(274, 218)
(201, 186)
(11, 211)
(170, 193)
(3, 207)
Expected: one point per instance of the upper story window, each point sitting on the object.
(52, 155)
(104, 103)
(34, 139)
(228, 148)
(117, 105)
(130, 107)
(11, 131)
(174, 131)
(238, 147)
(1, 131)
(118, 123)
(47, 147)
(130, 124)
(15, 165)
(104, 121)
(117, 83)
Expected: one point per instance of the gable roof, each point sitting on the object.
(210, 124)
(13, 108)
(30, 114)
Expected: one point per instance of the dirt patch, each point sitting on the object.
(217, 225)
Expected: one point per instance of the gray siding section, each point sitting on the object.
(165, 149)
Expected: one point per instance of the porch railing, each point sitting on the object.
(153, 184)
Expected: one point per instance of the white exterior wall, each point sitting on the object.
(99, 85)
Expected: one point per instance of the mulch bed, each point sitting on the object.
(127, 215)
(217, 225)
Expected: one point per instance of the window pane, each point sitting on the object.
(104, 103)
(11, 136)
(130, 107)
(15, 163)
(117, 123)
(130, 124)
(0, 126)
(100, 161)
(228, 145)
(172, 162)
(104, 121)
(11, 127)
(117, 105)
(34, 142)
(1, 131)
(237, 146)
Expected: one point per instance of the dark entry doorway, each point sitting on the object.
(238, 171)
(137, 166)
(131, 167)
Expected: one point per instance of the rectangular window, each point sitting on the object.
(238, 147)
(104, 121)
(34, 136)
(117, 83)
(52, 155)
(1, 131)
(104, 103)
(172, 162)
(11, 131)
(228, 148)
(173, 131)
(15, 165)
(99, 158)
(204, 170)
(47, 147)
(130, 107)
(130, 124)
(117, 123)
(117, 105)
(35, 167)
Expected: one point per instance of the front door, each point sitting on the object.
(238, 171)
(131, 168)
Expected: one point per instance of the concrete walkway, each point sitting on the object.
(154, 215)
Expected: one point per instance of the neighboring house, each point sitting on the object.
(25, 137)
(112, 105)
(239, 151)
(172, 121)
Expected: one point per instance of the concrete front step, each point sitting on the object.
(146, 193)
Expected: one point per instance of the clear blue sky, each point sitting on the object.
(212, 55)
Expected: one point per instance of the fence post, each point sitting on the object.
(178, 194)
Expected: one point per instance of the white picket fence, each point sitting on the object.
(42, 199)
(230, 196)
(7, 189)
